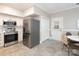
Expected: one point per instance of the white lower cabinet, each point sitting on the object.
(56, 35)
(1, 40)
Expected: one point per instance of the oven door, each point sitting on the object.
(10, 37)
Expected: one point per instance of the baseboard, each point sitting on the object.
(50, 38)
(44, 40)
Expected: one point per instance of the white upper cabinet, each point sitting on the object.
(56, 27)
(57, 23)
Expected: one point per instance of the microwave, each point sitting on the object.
(9, 23)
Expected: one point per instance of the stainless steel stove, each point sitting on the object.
(10, 34)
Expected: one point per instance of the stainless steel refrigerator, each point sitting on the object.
(31, 32)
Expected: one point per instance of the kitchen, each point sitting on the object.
(31, 30)
(12, 15)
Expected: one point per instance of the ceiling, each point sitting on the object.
(18, 6)
(49, 8)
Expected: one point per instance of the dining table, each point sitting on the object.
(73, 38)
(74, 43)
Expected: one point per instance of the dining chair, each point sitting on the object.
(68, 34)
(65, 41)
(73, 47)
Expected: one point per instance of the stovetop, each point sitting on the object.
(8, 33)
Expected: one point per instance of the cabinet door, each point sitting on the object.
(1, 40)
(35, 32)
(56, 35)
(56, 27)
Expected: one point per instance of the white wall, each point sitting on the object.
(70, 18)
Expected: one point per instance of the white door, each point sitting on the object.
(44, 29)
(56, 27)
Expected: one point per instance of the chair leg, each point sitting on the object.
(63, 47)
(68, 52)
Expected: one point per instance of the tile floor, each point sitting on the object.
(47, 48)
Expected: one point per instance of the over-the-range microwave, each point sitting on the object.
(8, 23)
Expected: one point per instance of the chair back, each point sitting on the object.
(68, 33)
